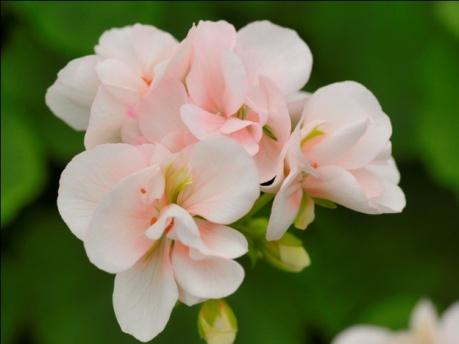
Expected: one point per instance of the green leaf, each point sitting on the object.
(22, 163)
(27, 85)
(438, 123)
(379, 48)
(74, 27)
(448, 13)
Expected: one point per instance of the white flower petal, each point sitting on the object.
(145, 295)
(116, 237)
(222, 241)
(224, 181)
(213, 277)
(71, 96)
(285, 207)
(89, 176)
(277, 53)
(449, 328)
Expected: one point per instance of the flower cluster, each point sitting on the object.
(425, 328)
(181, 139)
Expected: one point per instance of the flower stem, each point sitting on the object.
(259, 204)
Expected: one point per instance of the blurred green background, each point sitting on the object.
(365, 269)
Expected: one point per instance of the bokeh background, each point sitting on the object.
(365, 269)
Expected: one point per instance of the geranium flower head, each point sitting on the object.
(341, 152)
(158, 221)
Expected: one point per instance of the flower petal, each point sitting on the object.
(285, 207)
(424, 321)
(188, 299)
(386, 170)
(224, 181)
(183, 227)
(363, 335)
(108, 115)
(236, 83)
(341, 103)
(270, 150)
(159, 111)
(449, 331)
(233, 124)
(123, 80)
(142, 45)
(295, 102)
(222, 241)
(333, 146)
(212, 277)
(144, 296)
(246, 138)
(275, 52)
(71, 96)
(201, 123)
(89, 176)
(379, 183)
(340, 186)
(116, 237)
(206, 81)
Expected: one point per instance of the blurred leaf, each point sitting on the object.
(448, 13)
(14, 304)
(376, 45)
(27, 78)
(438, 124)
(22, 165)
(393, 312)
(74, 27)
(68, 299)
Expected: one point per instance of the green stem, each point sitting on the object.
(259, 204)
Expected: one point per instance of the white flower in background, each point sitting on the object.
(425, 328)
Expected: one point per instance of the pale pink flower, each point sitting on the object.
(425, 328)
(158, 221)
(224, 82)
(341, 152)
(97, 92)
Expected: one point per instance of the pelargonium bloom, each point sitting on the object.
(341, 152)
(233, 84)
(97, 92)
(158, 221)
(425, 328)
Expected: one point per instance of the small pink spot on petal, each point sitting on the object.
(142, 190)
(315, 164)
(131, 113)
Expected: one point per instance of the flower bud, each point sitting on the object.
(287, 253)
(217, 323)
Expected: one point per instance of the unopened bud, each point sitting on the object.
(287, 253)
(217, 323)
